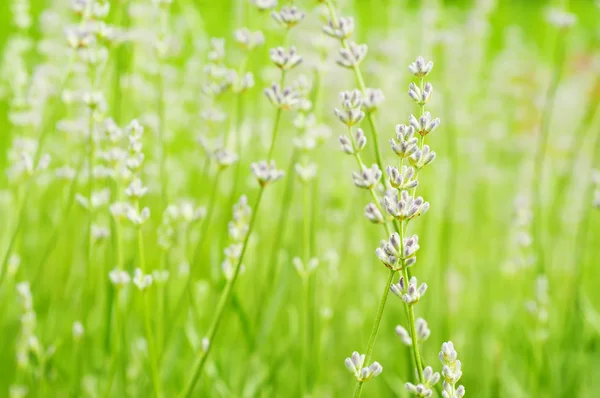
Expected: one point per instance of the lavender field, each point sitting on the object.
(310, 198)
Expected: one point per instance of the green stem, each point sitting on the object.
(375, 329)
(559, 54)
(147, 325)
(220, 309)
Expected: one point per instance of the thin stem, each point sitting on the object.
(274, 133)
(375, 329)
(220, 309)
(559, 53)
(305, 292)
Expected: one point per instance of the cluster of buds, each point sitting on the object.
(404, 207)
(356, 365)
(351, 112)
(141, 280)
(263, 5)
(285, 98)
(410, 294)
(238, 229)
(247, 39)
(367, 178)
(119, 278)
(31, 355)
(285, 59)
(402, 179)
(341, 29)
(22, 159)
(352, 147)
(395, 255)
(421, 328)
(288, 17)
(451, 372)
(266, 172)
(407, 143)
(185, 213)
(430, 379)
(352, 56)
(372, 99)
(424, 124)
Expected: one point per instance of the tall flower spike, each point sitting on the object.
(288, 17)
(451, 371)
(424, 124)
(407, 143)
(285, 59)
(343, 29)
(367, 177)
(285, 99)
(352, 56)
(266, 173)
(419, 68)
(355, 364)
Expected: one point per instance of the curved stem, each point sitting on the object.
(220, 309)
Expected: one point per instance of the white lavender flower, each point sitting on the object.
(141, 280)
(420, 97)
(373, 214)
(424, 389)
(451, 371)
(389, 252)
(119, 277)
(263, 5)
(367, 178)
(560, 18)
(138, 217)
(402, 179)
(422, 157)
(419, 68)
(247, 39)
(285, 99)
(78, 330)
(265, 172)
(422, 330)
(136, 190)
(407, 143)
(424, 124)
(404, 207)
(352, 56)
(351, 112)
(224, 158)
(288, 17)
(342, 30)
(355, 364)
(372, 99)
(352, 147)
(285, 59)
(410, 293)
(306, 172)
